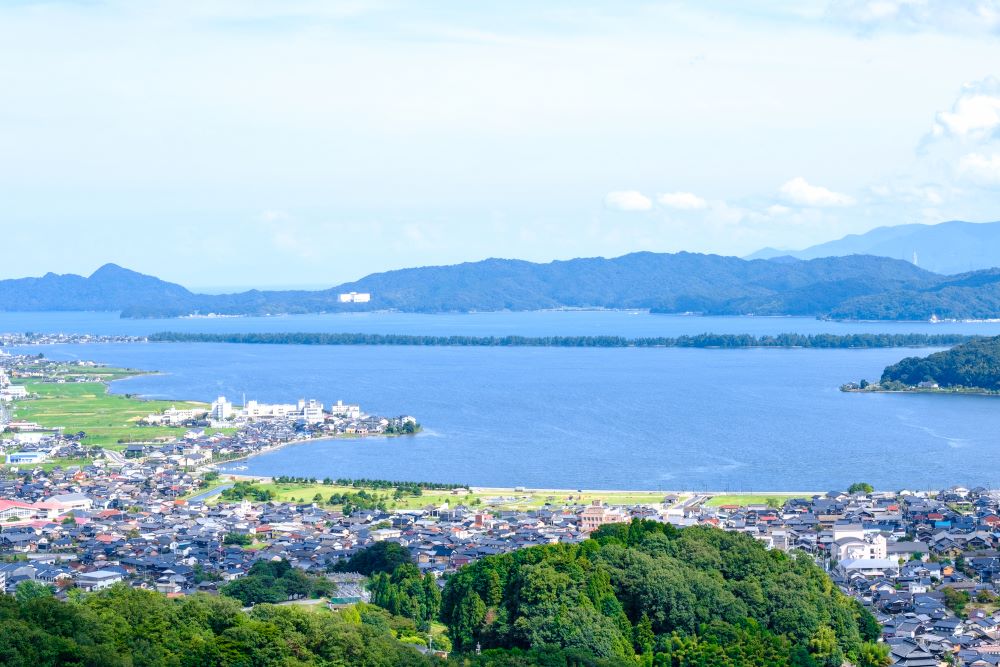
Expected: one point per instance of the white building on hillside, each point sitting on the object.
(355, 297)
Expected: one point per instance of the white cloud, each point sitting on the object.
(722, 213)
(685, 201)
(778, 209)
(981, 169)
(799, 191)
(956, 16)
(628, 200)
(975, 114)
(272, 215)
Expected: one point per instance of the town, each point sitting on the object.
(159, 515)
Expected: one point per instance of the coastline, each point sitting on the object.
(302, 440)
(517, 490)
(924, 390)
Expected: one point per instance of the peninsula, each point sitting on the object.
(61, 413)
(972, 367)
(705, 340)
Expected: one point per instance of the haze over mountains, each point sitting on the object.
(852, 287)
(948, 247)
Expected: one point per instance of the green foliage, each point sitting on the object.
(275, 581)
(362, 500)
(411, 488)
(241, 490)
(406, 593)
(860, 487)
(380, 557)
(677, 597)
(975, 364)
(873, 655)
(726, 341)
(237, 538)
(29, 590)
(956, 600)
(124, 627)
(403, 428)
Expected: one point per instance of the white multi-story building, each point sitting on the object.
(355, 297)
(871, 547)
(255, 410)
(311, 411)
(12, 392)
(341, 409)
(172, 416)
(221, 409)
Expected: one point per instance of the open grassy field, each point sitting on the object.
(48, 466)
(498, 498)
(752, 499)
(542, 497)
(108, 420)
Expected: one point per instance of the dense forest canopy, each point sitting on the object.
(974, 364)
(696, 596)
(122, 627)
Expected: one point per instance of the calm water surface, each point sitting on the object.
(596, 418)
(539, 323)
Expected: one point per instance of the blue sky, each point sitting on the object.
(307, 142)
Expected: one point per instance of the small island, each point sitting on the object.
(970, 368)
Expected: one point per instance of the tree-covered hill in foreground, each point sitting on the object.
(128, 627)
(639, 594)
(971, 365)
(851, 287)
(647, 593)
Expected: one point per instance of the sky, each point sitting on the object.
(267, 143)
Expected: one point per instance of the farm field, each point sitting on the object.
(109, 420)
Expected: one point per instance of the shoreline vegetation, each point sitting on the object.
(971, 368)
(708, 341)
(878, 388)
(303, 490)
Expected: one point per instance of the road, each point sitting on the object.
(114, 458)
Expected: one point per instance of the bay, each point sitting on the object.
(536, 323)
(685, 419)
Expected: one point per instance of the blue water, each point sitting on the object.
(539, 323)
(686, 419)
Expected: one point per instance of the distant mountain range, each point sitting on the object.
(853, 287)
(947, 248)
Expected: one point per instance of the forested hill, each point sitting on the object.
(854, 287)
(643, 593)
(697, 596)
(971, 365)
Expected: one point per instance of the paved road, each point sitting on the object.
(114, 458)
(205, 495)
